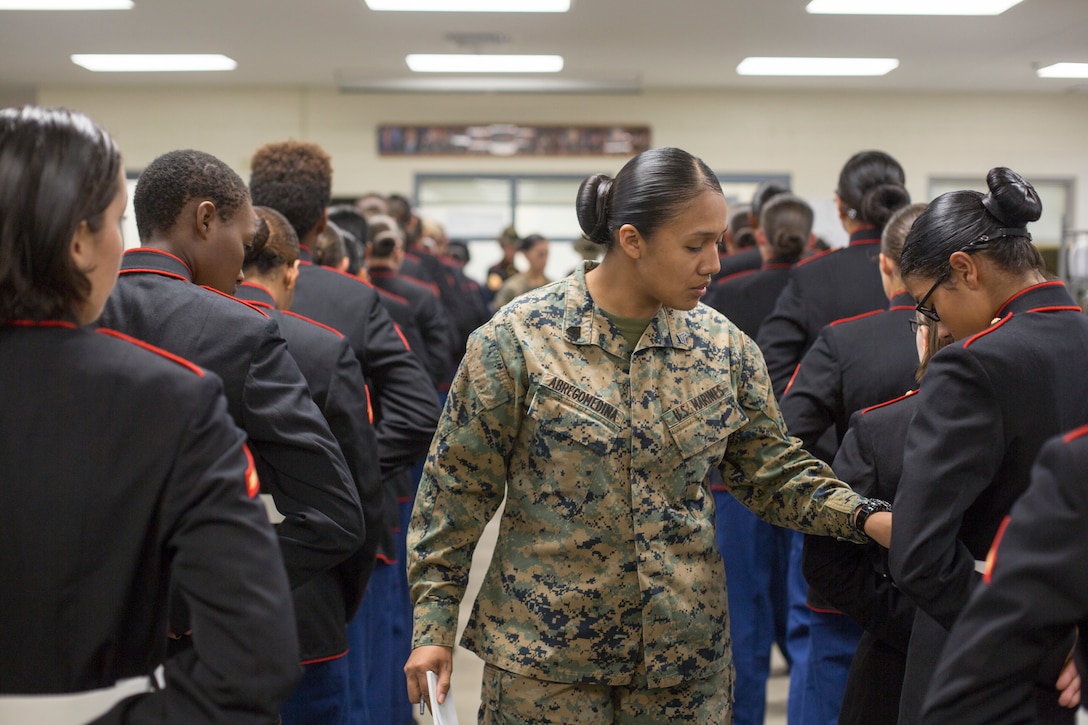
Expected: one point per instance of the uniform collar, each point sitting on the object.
(1042, 295)
(305, 254)
(865, 236)
(381, 273)
(585, 324)
(256, 294)
(146, 259)
(902, 299)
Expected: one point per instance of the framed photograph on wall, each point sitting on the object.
(506, 139)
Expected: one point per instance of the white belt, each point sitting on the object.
(980, 567)
(75, 708)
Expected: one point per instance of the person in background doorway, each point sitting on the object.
(535, 250)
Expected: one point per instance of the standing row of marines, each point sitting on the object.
(597, 406)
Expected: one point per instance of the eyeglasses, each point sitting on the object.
(981, 243)
(915, 324)
(930, 312)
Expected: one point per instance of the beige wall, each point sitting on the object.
(808, 135)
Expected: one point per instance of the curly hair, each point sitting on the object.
(174, 179)
(295, 179)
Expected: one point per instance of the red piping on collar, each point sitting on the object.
(1055, 283)
(41, 323)
(152, 250)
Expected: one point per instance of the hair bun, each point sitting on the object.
(881, 201)
(1012, 200)
(592, 208)
(260, 240)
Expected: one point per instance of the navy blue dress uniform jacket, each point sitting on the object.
(429, 318)
(465, 303)
(336, 384)
(405, 412)
(854, 579)
(987, 406)
(298, 460)
(746, 298)
(855, 363)
(820, 290)
(122, 471)
(1035, 591)
(741, 260)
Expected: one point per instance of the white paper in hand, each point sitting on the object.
(444, 714)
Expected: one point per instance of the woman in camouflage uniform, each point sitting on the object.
(597, 405)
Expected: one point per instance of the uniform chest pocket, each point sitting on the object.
(700, 428)
(569, 438)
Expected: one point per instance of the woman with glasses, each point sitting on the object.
(854, 579)
(856, 362)
(1014, 378)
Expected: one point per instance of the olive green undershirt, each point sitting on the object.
(630, 327)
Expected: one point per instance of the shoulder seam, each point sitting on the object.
(235, 299)
(870, 313)
(152, 348)
(987, 331)
(904, 396)
(304, 318)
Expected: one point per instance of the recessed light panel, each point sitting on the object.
(817, 66)
(65, 4)
(1064, 70)
(471, 6)
(910, 7)
(153, 63)
(465, 63)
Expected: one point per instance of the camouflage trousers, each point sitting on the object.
(510, 699)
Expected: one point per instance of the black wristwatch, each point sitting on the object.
(867, 509)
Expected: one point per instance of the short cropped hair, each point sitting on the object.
(174, 179)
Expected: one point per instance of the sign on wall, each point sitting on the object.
(505, 139)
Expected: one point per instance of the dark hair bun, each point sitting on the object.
(1012, 200)
(880, 202)
(260, 240)
(592, 207)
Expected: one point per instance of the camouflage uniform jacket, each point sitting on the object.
(606, 562)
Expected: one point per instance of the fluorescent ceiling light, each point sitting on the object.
(491, 84)
(153, 63)
(817, 66)
(466, 63)
(65, 4)
(1064, 70)
(910, 7)
(472, 6)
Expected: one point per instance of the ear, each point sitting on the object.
(886, 267)
(840, 207)
(630, 241)
(965, 267)
(290, 276)
(344, 264)
(205, 215)
(322, 223)
(82, 247)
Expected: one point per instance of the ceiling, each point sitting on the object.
(657, 43)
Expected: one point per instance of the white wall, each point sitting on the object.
(808, 135)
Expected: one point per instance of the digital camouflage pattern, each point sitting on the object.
(509, 699)
(606, 557)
